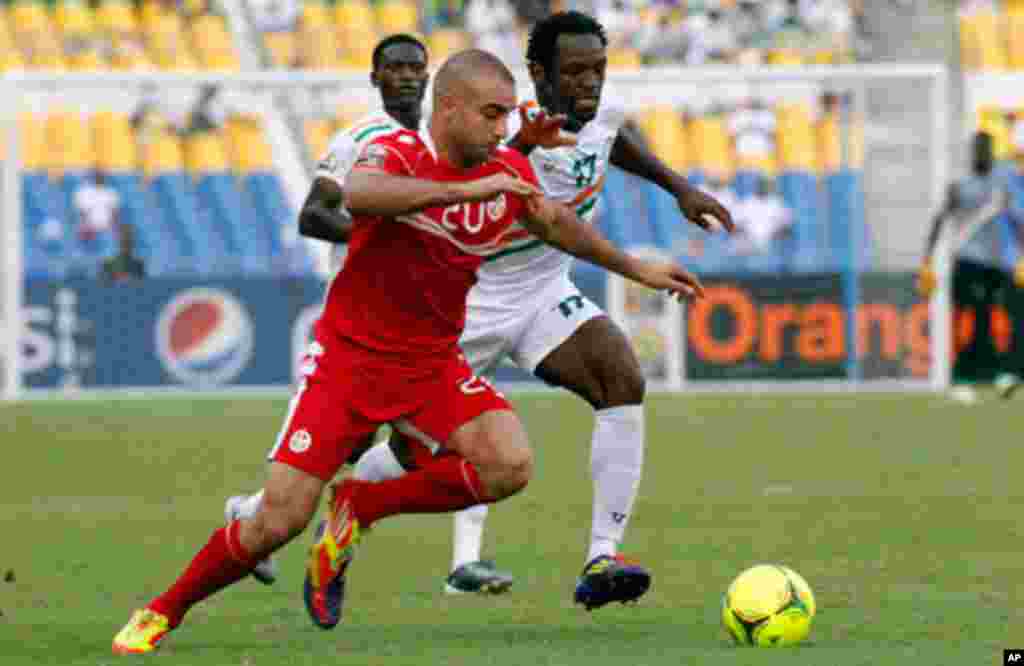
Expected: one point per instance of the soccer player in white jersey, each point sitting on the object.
(525, 307)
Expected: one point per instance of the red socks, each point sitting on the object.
(221, 562)
(447, 483)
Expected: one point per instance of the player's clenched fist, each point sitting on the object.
(485, 189)
(542, 130)
(667, 276)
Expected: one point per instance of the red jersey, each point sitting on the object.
(402, 291)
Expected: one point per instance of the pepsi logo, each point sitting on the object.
(204, 337)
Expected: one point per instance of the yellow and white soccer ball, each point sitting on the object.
(768, 606)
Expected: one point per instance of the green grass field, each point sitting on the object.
(903, 512)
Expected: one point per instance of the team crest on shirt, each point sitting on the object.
(300, 441)
(496, 208)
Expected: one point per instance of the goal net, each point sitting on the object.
(150, 242)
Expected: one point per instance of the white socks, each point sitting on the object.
(468, 536)
(250, 505)
(616, 463)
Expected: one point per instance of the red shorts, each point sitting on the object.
(346, 394)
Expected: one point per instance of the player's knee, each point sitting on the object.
(283, 517)
(514, 471)
(624, 386)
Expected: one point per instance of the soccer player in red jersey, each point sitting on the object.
(429, 207)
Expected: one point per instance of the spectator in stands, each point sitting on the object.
(96, 206)
(125, 265)
(275, 15)
(752, 126)
(208, 113)
(496, 28)
(761, 218)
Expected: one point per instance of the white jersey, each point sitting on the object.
(573, 175)
(344, 148)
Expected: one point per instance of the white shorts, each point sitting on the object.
(527, 332)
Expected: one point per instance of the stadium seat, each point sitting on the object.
(805, 251)
(356, 48)
(162, 154)
(205, 152)
(624, 58)
(68, 143)
(28, 16)
(711, 146)
(198, 247)
(664, 130)
(248, 148)
(353, 14)
(10, 56)
(1015, 38)
(272, 216)
(116, 16)
(281, 48)
(845, 195)
(397, 16)
(443, 42)
(212, 43)
(785, 56)
(317, 133)
(45, 226)
(222, 214)
(795, 138)
(167, 44)
(982, 41)
(114, 142)
(318, 46)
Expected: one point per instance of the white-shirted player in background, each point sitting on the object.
(525, 307)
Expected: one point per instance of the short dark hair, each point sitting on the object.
(391, 40)
(544, 36)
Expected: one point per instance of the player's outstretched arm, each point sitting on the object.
(322, 215)
(377, 194)
(559, 227)
(630, 155)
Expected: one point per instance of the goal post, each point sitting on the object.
(62, 329)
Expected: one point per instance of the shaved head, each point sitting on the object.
(474, 92)
(459, 72)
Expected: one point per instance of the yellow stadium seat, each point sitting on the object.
(168, 47)
(624, 58)
(355, 48)
(314, 14)
(281, 47)
(663, 127)
(317, 133)
(85, 58)
(785, 56)
(32, 149)
(829, 147)
(711, 146)
(397, 16)
(445, 42)
(128, 53)
(115, 16)
(994, 121)
(795, 138)
(212, 43)
(114, 141)
(1015, 39)
(28, 16)
(68, 142)
(248, 145)
(982, 38)
(162, 154)
(73, 17)
(10, 56)
(353, 14)
(205, 151)
(319, 47)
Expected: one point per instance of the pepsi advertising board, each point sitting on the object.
(166, 332)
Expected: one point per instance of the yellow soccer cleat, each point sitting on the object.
(336, 539)
(142, 633)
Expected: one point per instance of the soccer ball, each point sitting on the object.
(768, 606)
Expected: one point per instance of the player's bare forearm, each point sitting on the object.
(382, 195)
(322, 216)
(566, 232)
(630, 155)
